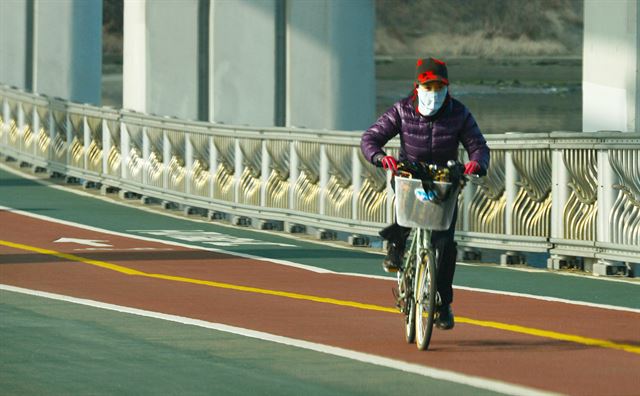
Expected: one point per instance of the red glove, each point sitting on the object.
(389, 163)
(471, 168)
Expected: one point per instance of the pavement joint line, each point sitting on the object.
(326, 300)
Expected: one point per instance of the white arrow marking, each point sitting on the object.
(88, 242)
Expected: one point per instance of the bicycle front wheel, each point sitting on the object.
(409, 302)
(425, 300)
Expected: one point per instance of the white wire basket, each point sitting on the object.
(414, 210)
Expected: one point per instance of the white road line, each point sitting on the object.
(550, 299)
(426, 371)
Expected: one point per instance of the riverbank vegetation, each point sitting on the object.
(479, 28)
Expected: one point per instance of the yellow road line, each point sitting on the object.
(353, 304)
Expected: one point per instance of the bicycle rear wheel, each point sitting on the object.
(425, 300)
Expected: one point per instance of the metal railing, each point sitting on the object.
(568, 194)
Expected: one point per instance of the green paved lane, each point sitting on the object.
(50, 347)
(23, 194)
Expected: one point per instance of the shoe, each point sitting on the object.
(444, 318)
(393, 260)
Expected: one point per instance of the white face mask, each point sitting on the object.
(429, 102)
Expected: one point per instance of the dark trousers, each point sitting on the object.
(446, 253)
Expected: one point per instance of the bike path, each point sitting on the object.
(196, 284)
(27, 195)
(75, 349)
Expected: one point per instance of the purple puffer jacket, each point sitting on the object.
(433, 139)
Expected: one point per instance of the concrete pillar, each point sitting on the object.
(68, 49)
(330, 64)
(16, 39)
(134, 56)
(172, 69)
(610, 66)
(243, 55)
(165, 55)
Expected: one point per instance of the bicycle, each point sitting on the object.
(426, 196)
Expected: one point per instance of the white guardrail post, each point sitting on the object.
(239, 168)
(35, 124)
(294, 173)
(213, 165)
(106, 146)
(124, 151)
(68, 129)
(606, 198)
(560, 194)
(86, 142)
(20, 126)
(146, 154)
(265, 167)
(5, 121)
(188, 163)
(324, 178)
(166, 159)
(356, 181)
(511, 190)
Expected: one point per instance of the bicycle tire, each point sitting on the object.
(410, 322)
(425, 300)
(409, 302)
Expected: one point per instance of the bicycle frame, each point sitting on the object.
(420, 245)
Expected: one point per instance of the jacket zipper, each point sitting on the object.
(430, 128)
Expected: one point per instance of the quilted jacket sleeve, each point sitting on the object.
(378, 134)
(475, 143)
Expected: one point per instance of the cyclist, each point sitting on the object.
(431, 125)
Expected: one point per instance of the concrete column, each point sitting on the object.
(610, 66)
(134, 56)
(243, 62)
(164, 67)
(330, 64)
(16, 43)
(172, 72)
(68, 48)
